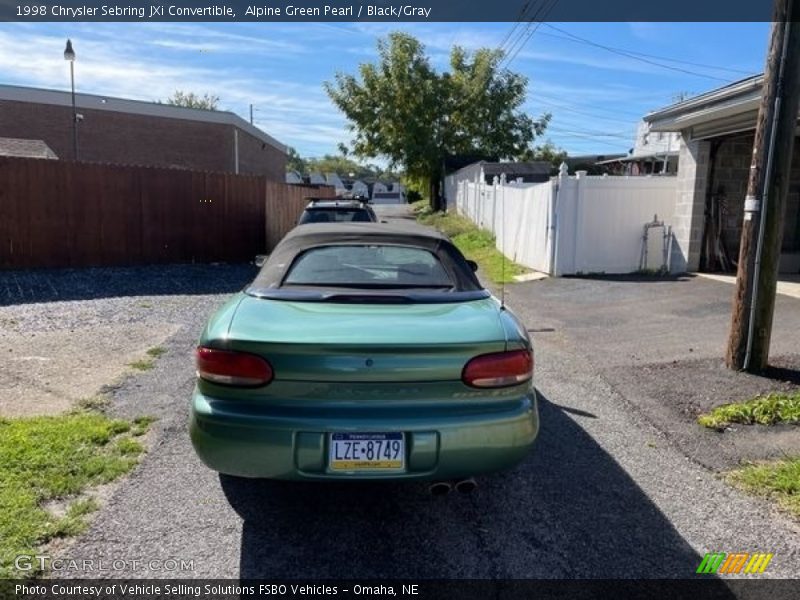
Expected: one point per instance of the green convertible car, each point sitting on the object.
(364, 351)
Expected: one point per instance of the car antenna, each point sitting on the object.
(503, 245)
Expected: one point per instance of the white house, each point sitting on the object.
(317, 179)
(333, 180)
(359, 188)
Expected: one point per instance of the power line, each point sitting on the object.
(616, 112)
(629, 131)
(527, 8)
(633, 56)
(572, 37)
(520, 18)
(544, 10)
(574, 137)
(590, 142)
(585, 113)
(529, 19)
(589, 132)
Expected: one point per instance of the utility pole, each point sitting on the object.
(765, 203)
(251, 114)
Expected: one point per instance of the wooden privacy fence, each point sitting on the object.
(65, 214)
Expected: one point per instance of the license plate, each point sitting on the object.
(367, 451)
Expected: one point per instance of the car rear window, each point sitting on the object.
(334, 216)
(373, 266)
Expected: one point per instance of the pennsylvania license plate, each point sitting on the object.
(367, 451)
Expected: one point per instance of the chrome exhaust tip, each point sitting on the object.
(465, 486)
(440, 488)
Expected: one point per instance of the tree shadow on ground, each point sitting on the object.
(568, 511)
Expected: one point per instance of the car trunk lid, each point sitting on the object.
(332, 341)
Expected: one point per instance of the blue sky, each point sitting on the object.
(596, 96)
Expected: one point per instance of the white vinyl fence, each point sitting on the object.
(574, 224)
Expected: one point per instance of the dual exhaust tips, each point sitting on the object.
(463, 486)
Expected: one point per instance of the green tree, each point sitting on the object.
(548, 152)
(341, 164)
(294, 162)
(192, 100)
(400, 108)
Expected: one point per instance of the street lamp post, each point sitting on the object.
(69, 54)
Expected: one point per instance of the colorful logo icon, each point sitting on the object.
(723, 563)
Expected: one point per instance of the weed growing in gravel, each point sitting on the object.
(99, 403)
(763, 410)
(143, 364)
(49, 458)
(779, 480)
(476, 244)
(146, 364)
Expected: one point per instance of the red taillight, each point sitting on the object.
(232, 368)
(499, 370)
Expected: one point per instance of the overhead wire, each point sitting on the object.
(526, 11)
(544, 10)
(520, 18)
(575, 38)
(633, 55)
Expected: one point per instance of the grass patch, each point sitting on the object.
(44, 459)
(143, 364)
(146, 364)
(73, 522)
(476, 244)
(779, 481)
(141, 425)
(763, 410)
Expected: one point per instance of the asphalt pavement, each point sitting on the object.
(604, 494)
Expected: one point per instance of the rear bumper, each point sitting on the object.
(295, 447)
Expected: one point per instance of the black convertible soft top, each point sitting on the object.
(269, 281)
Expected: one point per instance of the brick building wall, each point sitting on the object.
(136, 139)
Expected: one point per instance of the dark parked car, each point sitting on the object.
(337, 211)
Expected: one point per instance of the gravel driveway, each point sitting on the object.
(67, 334)
(604, 494)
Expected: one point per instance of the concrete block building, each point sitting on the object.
(716, 143)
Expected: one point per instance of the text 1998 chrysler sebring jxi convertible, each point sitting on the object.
(363, 351)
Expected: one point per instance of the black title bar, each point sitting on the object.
(705, 587)
(387, 10)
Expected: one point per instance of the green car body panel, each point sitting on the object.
(371, 367)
